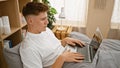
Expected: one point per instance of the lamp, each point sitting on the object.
(61, 16)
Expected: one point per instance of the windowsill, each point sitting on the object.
(115, 26)
(70, 23)
(77, 24)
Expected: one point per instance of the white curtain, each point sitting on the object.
(116, 12)
(75, 11)
(115, 20)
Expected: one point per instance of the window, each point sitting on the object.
(75, 10)
(115, 20)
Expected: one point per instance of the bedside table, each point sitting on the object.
(61, 34)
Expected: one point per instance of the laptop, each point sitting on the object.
(91, 48)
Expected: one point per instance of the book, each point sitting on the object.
(1, 26)
(7, 43)
(6, 24)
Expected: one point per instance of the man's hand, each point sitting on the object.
(72, 42)
(67, 56)
(72, 56)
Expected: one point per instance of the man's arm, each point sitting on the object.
(59, 62)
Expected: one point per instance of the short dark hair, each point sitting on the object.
(34, 8)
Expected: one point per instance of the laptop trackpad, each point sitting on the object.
(84, 51)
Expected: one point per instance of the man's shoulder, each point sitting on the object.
(25, 44)
(48, 29)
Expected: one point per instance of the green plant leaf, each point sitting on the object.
(52, 11)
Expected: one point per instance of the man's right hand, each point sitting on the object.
(72, 56)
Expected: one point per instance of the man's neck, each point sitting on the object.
(33, 30)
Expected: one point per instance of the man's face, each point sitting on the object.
(39, 22)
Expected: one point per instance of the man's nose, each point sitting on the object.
(46, 22)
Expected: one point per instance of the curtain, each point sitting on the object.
(115, 20)
(116, 12)
(75, 11)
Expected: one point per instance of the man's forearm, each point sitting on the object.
(58, 63)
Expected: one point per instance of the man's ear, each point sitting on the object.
(29, 19)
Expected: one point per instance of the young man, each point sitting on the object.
(40, 48)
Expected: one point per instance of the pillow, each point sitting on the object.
(12, 57)
(80, 36)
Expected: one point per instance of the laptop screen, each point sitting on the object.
(97, 39)
(95, 42)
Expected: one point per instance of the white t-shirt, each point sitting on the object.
(40, 50)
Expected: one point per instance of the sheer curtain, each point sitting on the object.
(75, 11)
(116, 12)
(115, 20)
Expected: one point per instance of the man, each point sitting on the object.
(40, 48)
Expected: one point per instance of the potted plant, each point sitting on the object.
(52, 11)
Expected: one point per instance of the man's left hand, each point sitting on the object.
(72, 42)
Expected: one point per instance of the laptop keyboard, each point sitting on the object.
(83, 50)
(72, 49)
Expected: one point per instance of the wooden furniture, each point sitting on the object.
(12, 9)
(61, 34)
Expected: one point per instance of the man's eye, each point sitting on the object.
(44, 19)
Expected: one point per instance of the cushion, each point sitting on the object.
(12, 57)
(80, 36)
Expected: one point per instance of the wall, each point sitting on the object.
(114, 34)
(99, 14)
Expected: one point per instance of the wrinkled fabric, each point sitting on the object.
(107, 55)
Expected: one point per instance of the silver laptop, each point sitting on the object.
(91, 48)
